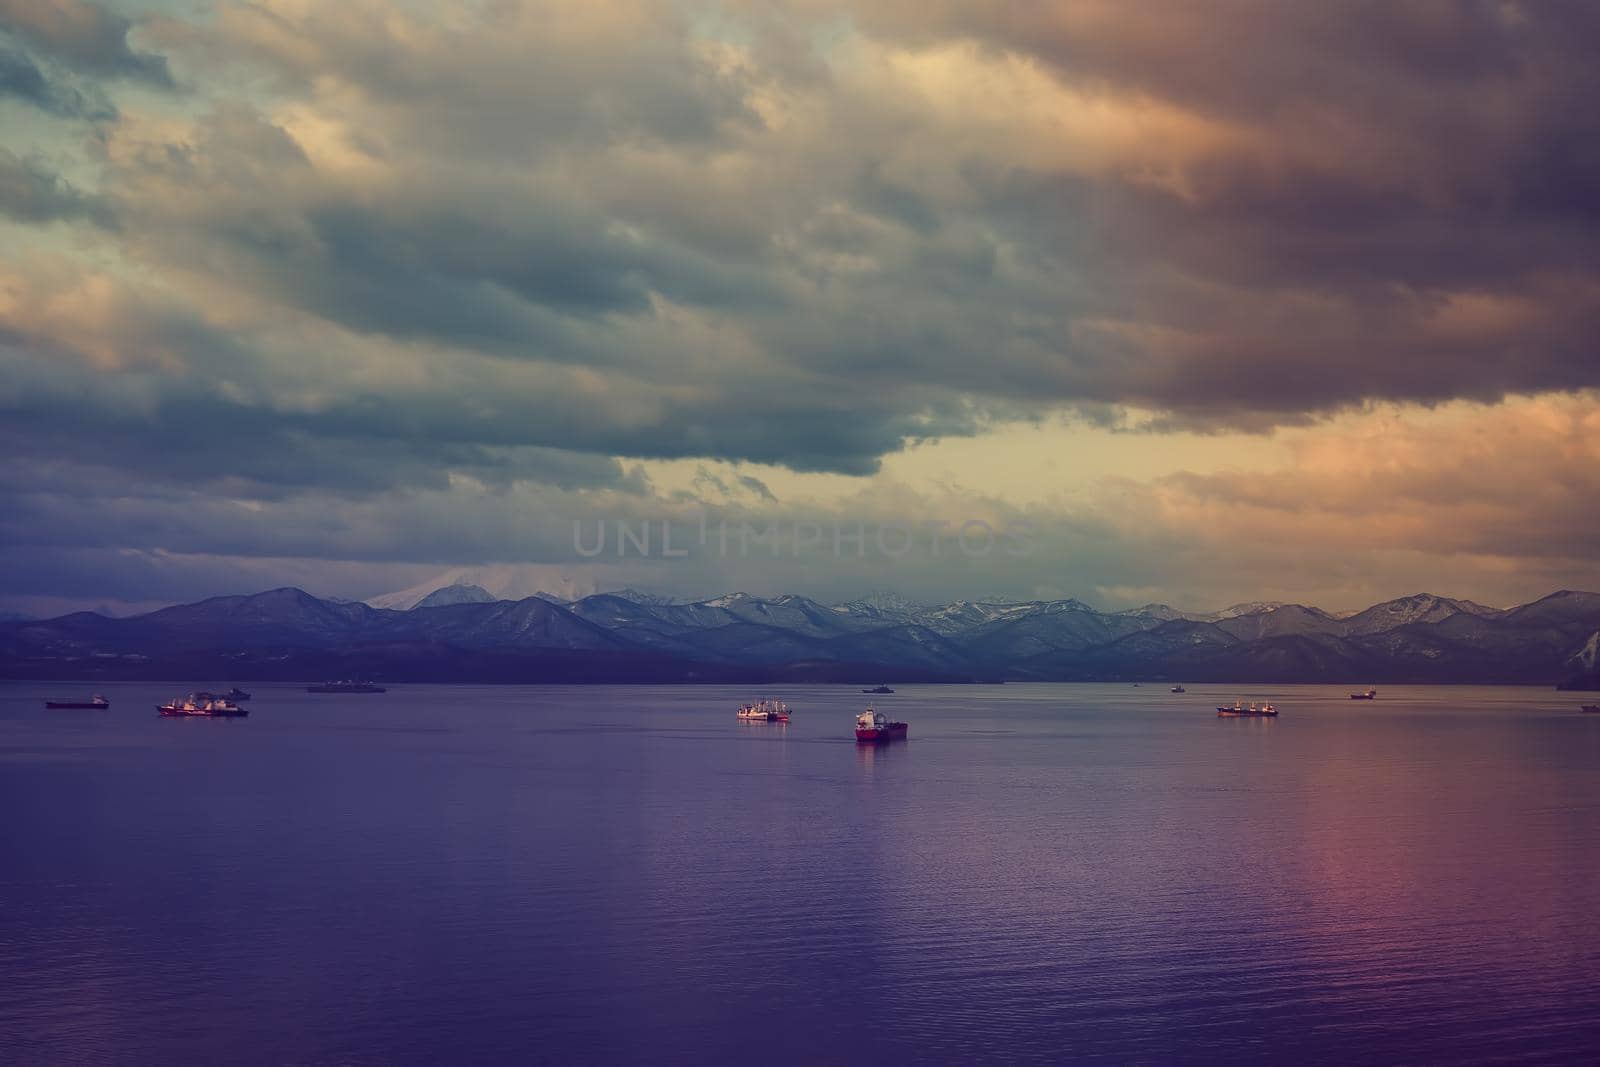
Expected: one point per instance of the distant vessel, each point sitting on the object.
(1592, 709)
(873, 727)
(233, 694)
(1370, 694)
(880, 689)
(202, 706)
(346, 687)
(764, 711)
(94, 703)
(1179, 689)
(1245, 711)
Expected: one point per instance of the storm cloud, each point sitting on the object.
(83, 36)
(519, 249)
(29, 192)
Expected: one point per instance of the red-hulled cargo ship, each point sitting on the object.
(202, 706)
(873, 727)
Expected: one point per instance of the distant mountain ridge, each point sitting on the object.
(461, 632)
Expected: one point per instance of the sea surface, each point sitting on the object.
(628, 874)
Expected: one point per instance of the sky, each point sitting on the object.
(1184, 303)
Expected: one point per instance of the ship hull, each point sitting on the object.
(170, 712)
(1361, 696)
(1233, 713)
(895, 731)
(1592, 709)
(78, 705)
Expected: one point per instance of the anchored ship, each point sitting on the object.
(873, 727)
(764, 711)
(1245, 711)
(1370, 694)
(94, 703)
(346, 687)
(235, 694)
(202, 706)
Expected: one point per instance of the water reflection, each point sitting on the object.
(1040, 872)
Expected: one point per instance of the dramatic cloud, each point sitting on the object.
(29, 192)
(414, 273)
(21, 79)
(83, 36)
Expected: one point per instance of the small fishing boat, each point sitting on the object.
(873, 727)
(1178, 689)
(94, 703)
(1246, 711)
(879, 689)
(201, 706)
(1370, 694)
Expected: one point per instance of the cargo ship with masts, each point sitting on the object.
(202, 706)
(1246, 711)
(764, 711)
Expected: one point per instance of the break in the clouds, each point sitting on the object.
(397, 284)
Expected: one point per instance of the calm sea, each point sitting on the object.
(575, 875)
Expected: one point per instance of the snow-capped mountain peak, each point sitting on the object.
(457, 594)
(499, 581)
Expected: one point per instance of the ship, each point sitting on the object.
(1178, 689)
(234, 694)
(1245, 711)
(1370, 694)
(874, 728)
(879, 689)
(764, 711)
(345, 687)
(94, 703)
(1592, 709)
(202, 706)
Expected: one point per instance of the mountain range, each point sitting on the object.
(463, 633)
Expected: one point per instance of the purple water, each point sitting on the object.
(574, 875)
